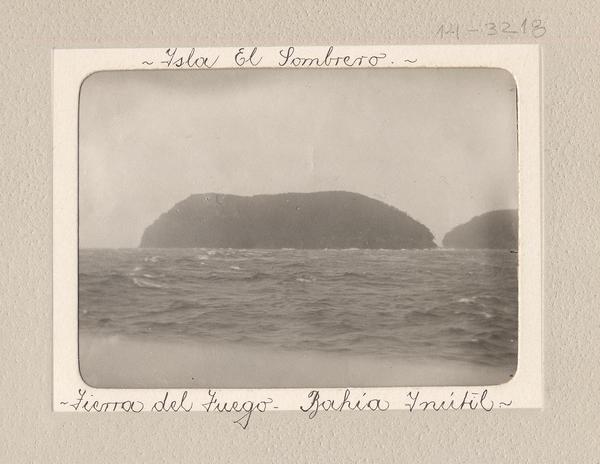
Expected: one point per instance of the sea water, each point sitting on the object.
(415, 304)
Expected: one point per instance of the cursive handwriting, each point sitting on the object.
(351, 404)
(289, 58)
(174, 406)
(315, 402)
(470, 400)
(247, 407)
(190, 60)
(87, 404)
(242, 57)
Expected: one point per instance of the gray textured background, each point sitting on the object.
(564, 431)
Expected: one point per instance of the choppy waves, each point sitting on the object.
(449, 304)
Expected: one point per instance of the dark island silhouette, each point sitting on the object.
(288, 220)
(494, 230)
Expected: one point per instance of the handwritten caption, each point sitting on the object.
(315, 402)
(533, 28)
(191, 58)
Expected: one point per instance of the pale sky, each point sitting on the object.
(439, 144)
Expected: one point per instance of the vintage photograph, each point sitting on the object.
(279, 228)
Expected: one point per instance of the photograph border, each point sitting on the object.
(71, 67)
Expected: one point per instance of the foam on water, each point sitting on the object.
(143, 283)
(443, 304)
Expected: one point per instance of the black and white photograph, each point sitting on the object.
(293, 228)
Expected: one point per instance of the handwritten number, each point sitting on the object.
(537, 29)
(448, 29)
(506, 28)
(440, 31)
(491, 28)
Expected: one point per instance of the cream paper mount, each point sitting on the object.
(72, 67)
